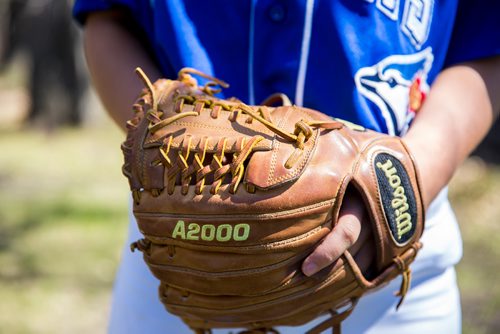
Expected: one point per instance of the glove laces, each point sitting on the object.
(193, 161)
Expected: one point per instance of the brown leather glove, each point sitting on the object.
(231, 198)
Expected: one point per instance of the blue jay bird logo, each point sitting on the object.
(387, 84)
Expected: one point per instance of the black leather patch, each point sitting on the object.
(397, 196)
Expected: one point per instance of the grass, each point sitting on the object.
(63, 216)
(476, 199)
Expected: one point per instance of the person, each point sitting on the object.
(423, 70)
(56, 80)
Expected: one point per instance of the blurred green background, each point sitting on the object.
(63, 211)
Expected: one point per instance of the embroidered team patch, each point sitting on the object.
(397, 197)
(387, 84)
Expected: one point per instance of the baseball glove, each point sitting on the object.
(232, 198)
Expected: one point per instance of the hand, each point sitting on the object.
(352, 232)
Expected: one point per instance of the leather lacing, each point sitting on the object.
(332, 322)
(193, 161)
(406, 276)
(248, 331)
(143, 245)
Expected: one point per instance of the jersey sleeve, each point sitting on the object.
(82, 8)
(476, 31)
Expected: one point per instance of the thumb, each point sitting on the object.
(345, 233)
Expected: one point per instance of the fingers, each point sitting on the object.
(364, 237)
(342, 237)
(366, 257)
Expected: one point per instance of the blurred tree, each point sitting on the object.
(45, 33)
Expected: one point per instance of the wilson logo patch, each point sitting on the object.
(397, 196)
(209, 232)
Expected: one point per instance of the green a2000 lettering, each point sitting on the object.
(209, 232)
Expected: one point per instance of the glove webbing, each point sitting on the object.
(196, 166)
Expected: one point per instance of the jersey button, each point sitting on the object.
(277, 12)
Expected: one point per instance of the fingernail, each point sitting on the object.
(309, 269)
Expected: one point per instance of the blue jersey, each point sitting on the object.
(368, 61)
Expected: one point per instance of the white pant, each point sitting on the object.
(432, 304)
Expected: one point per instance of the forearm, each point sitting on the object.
(461, 107)
(113, 52)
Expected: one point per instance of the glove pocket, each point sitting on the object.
(215, 273)
(219, 267)
(292, 305)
